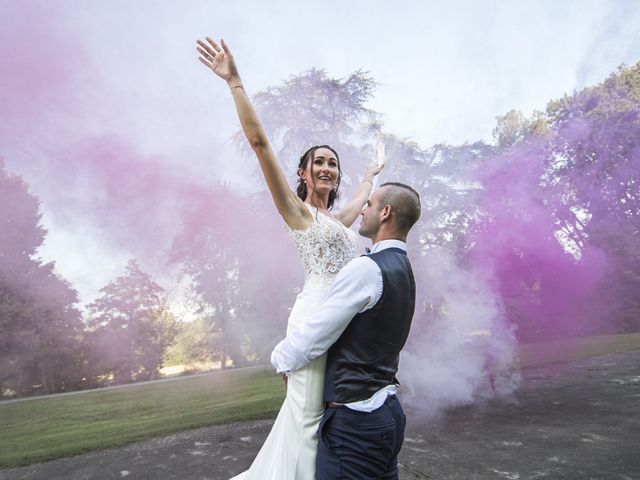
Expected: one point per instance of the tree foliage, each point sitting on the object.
(40, 344)
(231, 249)
(563, 184)
(597, 153)
(131, 327)
(193, 344)
(311, 109)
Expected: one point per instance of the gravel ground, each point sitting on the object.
(575, 421)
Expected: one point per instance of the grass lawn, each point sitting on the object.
(61, 426)
(560, 351)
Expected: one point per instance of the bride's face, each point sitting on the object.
(322, 171)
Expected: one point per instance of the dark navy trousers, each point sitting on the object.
(358, 445)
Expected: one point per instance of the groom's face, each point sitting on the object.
(371, 214)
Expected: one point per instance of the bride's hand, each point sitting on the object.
(219, 60)
(373, 170)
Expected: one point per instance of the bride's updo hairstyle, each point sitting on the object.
(304, 163)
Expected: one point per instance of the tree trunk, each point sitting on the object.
(19, 385)
(223, 358)
(45, 383)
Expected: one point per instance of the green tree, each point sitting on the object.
(131, 327)
(194, 344)
(514, 127)
(596, 153)
(216, 252)
(40, 341)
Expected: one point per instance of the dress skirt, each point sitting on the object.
(289, 452)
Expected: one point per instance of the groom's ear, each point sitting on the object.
(385, 213)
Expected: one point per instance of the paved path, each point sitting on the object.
(578, 421)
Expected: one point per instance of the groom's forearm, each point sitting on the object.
(296, 352)
(321, 331)
(284, 359)
(354, 290)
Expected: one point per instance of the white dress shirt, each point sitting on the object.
(357, 288)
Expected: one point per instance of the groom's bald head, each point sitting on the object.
(405, 203)
(390, 212)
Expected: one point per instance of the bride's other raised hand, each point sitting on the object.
(353, 207)
(373, 170)
(219, 59)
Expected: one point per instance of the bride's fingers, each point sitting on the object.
(207, 63)
(214, 45)
(204, 53)
(211, 51)
(225, 47)
(378, 167)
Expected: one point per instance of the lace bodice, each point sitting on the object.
(325, 247)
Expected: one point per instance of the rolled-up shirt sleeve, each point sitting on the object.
(357, 287)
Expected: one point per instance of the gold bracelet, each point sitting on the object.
(236, 86)
(365, 180)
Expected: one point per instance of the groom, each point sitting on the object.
(363, 324)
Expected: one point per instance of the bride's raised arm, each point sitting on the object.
(352, 209)
(220, 60)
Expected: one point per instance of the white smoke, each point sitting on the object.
(460, 349)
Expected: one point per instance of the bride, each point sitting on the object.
(325, 245)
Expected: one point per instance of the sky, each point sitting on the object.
(78, 76)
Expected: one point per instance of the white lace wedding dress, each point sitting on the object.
(289, 453)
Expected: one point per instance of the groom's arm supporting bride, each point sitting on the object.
(363, 325)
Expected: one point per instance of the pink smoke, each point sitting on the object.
(547, 290)
(40, 68)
